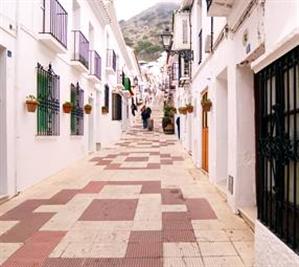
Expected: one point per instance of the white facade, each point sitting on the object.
(27, 157)
(241, 39)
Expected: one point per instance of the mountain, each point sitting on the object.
(142, 32)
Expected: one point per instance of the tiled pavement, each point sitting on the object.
(140, 203)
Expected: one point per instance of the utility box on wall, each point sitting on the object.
(181, 34)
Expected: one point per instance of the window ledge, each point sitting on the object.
(76, 137)
(42, 138)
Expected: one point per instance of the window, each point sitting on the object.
(200, 47)
(77, 115)
(185, 31)
(116, 107)
(106, 100)
(48, 94)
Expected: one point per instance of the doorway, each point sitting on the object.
(3, 148)
(91, 142)
(205, 136)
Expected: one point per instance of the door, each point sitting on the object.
(205, 137)
(3, 144)
(277, 124)
(91, 142)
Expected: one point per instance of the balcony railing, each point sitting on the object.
(55, 21)
(111, 59)
(81, 48)
(175, 71)
(95, 64)
(120, 77)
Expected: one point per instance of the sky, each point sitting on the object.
(126, 9)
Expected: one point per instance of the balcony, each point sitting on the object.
(111, 61)
(219, 8)
(120, 80)
(54, 27)
(81, 52)
(95, 66)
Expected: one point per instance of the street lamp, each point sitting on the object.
(166, 37)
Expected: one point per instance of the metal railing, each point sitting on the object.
(55, 21)
(81, 48)
(120, 77)
(48, 94)
(95, 64)
(111, 59)
(175, 71)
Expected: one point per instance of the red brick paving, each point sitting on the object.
(153, 166)
(176, 221)
(172, 196)
(62, 197)
(110, 210)
(200, 209)
(136, 159)
(93, 188)
(26, 228)
(36, 249)
(64, 262)
(178, 236)
(145, 236)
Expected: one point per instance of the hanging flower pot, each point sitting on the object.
(104, 110)
(206, 105)
(31, 103)
(183, 110)
(189, 108)
(67, 107)
(87, 108)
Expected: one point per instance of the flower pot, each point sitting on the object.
(87, 109)
(206, 106)
(169, 129)
(31, 105)
(67, 108)
(189, 109)
(104, 110)
(183, 110)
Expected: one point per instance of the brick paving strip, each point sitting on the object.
(135, 205)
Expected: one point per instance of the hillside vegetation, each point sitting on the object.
(142, 32)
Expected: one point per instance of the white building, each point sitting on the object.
(246, 64)
(58, 51)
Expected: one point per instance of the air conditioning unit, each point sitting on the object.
(208, 45)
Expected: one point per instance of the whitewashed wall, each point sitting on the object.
(29, 158)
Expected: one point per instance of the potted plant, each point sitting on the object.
(206, 104)
(67, 107)
(104, 110)
(31, 103)
(189, 108)
(183, 110)
(87, 108)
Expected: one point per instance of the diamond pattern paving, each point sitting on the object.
(126, 206)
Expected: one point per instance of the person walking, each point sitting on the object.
(144, 116)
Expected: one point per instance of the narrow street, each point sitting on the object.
(140, 203)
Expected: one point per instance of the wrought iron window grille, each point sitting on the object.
(48, 94)
(277, 117)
